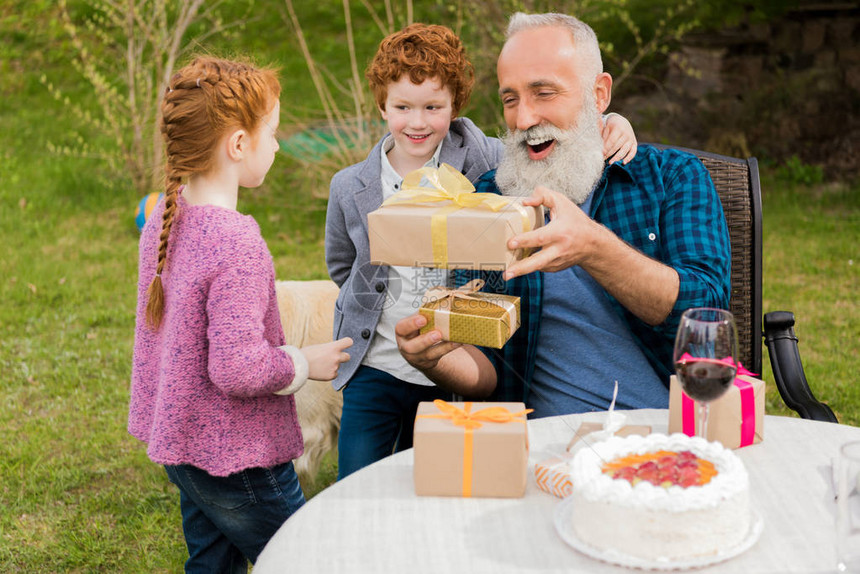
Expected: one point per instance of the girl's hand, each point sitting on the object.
(325, 358)
(619, 141)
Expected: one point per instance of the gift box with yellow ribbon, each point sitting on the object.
(437, 220)
(471, 449)
(466, 315)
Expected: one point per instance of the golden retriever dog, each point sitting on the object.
(307, 313)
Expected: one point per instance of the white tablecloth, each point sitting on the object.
(373, 522)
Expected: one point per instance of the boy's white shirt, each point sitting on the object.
(383, 353)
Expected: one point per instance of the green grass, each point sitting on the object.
(811, 267)
(78, 494)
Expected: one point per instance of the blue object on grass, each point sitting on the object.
(144, 208)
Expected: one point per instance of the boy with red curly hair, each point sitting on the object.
(421, 79)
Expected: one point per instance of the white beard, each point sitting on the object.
(573, 168)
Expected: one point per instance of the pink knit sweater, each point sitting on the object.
(202, 384)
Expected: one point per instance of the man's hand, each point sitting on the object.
(645, 286)
(421, 351)
(460, 369)
(563, 242)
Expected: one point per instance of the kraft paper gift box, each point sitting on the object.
(736, 419)
(445, 225)
(552, 475)
(470, 449)
(466, 315)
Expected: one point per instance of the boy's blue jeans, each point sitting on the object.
(228, 520)
(377, 418)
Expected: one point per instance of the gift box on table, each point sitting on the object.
(470, 449)
(736, 419)
(466, 315)
(552, 475)
(446, 225)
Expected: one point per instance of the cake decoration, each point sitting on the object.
(662, 468)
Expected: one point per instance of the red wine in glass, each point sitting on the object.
(705, 346)
(705, 379)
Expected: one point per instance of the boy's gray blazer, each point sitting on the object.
(355, 192)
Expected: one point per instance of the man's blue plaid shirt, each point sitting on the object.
(662, 203)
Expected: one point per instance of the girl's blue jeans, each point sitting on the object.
(228, 520)
(377, 418)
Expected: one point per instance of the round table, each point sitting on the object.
(372, 521)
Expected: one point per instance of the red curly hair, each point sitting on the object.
(422, 51)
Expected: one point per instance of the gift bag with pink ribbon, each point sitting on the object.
(466, 315)
(736, 419)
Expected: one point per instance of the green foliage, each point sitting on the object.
(796, 172)
(342, 121)
(718, 14)
(126, 53)
(632, 34)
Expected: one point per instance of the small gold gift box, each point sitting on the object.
(467, 316)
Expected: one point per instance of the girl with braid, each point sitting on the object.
(212, 381)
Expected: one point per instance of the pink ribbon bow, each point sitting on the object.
(747, 394)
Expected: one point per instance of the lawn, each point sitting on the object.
(79, 495)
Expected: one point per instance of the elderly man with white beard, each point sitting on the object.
(626, 250)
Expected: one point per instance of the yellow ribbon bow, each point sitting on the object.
(448, 184)
(470, 421)
(441, 319)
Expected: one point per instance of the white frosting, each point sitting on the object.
(652, 521)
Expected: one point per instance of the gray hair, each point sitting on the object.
(584, 37)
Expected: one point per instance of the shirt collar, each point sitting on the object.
(389, 175)
(390, 178)
(610, 172)
(619, 169)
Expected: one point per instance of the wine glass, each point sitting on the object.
(706, 348)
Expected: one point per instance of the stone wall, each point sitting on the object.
(789, 87)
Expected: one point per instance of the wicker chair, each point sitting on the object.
(737, 183)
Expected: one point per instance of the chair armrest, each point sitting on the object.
(788, 369)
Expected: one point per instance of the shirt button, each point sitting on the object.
(652, 236)
(380, 287)
(365, 333)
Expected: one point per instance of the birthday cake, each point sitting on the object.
(660, 497)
